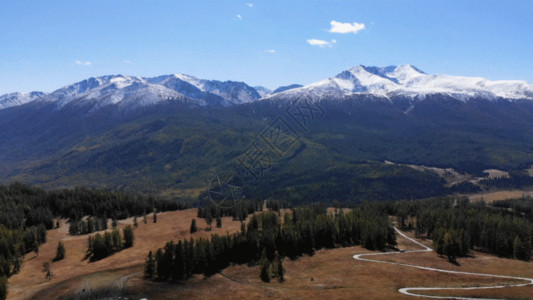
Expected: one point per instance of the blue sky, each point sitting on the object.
(45, 45)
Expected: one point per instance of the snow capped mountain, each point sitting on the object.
(408, 81)
(390, 82)
(125, 91)
(14, 99)
(226, 93)
(131, 91)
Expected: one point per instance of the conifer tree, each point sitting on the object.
(60, 251)
(149, 269)
(129, 237)
(265, 267)
(3, 287)
(193, 226)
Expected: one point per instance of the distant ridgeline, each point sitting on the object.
(325, 141)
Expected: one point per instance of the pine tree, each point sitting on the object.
(145, 220)
(193, 226)
(60, 251)
(219, 222)
(265, 267)
(90, 246)
(47, 270)
(100, 247)
(117, 241)
(279, 268)
(135, 224)
(90, 225)
(209, 218)
(160, 264)
(520, 251)
(128, 236)
(149, 269)
(3, 287)
(155, 215)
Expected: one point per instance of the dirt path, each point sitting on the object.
(409, 290)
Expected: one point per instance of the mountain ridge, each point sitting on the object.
(388, 82)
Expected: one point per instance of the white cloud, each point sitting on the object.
(321, 43)
(127, 61)
(239, 16)
(338, 27)
(83, 63)
(270, 51)
(250, 5)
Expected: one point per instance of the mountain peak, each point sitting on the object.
(411, 82)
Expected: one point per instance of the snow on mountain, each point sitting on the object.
(230, 92)
(382, 82)
(111, 90)
(130, 91)
(15, 99)
(408, 81)
(286, 88)
(263, 91)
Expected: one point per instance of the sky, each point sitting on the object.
(45, 45)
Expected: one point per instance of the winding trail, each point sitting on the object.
(409, 290)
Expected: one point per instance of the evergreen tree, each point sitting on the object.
(219, 222)
(99, 247)
(160, 264)
(128, 237)
(155, 215)
(90, 225)
(520, 251)
(265, 267)
(135, 224)
(209, 218)
(193, 226)
(47, 270)
(149, 269)
(90, 246)
(60, 251)
(73, 227)
(450, 247)
(145, 220)
(280, 270)
(117, 241)
(3, 287)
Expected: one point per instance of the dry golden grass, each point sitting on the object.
(500, 195)
(76, 269)
(332, 274)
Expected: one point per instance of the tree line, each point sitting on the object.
(267, 238)
(457, 225)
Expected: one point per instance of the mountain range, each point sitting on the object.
(171, 134)
(405, 81)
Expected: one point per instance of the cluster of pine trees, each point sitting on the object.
(239, 211)
(101, 246)
(457, 226)
(266, 239)
(90, 225)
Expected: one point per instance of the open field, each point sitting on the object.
(329, 273)
(82, 274)
(499, 195)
